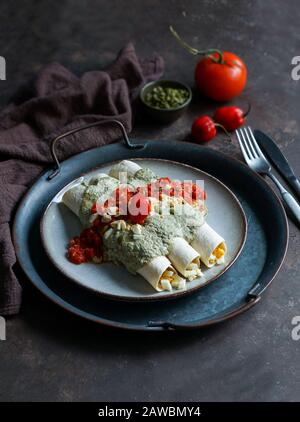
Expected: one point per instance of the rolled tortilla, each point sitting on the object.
(185, 258)
(161, 275)
(125, 166)
(73, 197)
(210, 245)
(95, 179)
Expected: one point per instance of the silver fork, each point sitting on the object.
(257, 161)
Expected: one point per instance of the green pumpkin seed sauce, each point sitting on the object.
(132, 249)
(96, 188)
(141, 178)
(100, 188)
(135, 250)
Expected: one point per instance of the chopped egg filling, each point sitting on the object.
(212, 259)
(170, 279)
(219, 252)
(193, 270)
(165, 284)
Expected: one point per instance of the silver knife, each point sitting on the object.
(278, 160)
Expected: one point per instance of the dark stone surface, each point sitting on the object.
(49, 355)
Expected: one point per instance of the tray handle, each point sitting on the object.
(169, 325)
(256, 290)
(56, 169)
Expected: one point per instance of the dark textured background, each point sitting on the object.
(50, 355)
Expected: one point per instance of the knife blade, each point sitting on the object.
(278, 160)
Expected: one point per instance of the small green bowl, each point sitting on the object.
(165, 115)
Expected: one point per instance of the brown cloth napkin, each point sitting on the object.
(58, 101)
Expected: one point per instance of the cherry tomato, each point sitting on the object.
(204, 129)
(221, 80)
(230, 117)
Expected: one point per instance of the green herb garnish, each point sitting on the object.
(166, 98)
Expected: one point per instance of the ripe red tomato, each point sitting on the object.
(230, 117)
(221, 81)
(204, 129)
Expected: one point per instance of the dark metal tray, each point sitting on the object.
(236, 291)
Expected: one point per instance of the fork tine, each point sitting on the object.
(244, 152)
(254, 143)
(250, 143)
(246, 146)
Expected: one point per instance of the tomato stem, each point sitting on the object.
(223, 128)
(196, 52)
(247, 111)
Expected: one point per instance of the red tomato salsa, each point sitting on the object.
(86, 247)
(132, 206)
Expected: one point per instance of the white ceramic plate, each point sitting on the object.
(225, 215)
